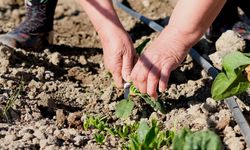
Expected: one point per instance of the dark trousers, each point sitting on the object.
(229, 14)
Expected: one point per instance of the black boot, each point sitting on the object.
(35, 32)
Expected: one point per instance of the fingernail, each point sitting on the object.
(162, 90)
(128, 78)
(154, 98)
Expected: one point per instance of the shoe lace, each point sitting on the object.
(34, 19)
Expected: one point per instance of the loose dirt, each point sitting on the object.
(62, 84)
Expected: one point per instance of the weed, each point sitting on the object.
(99, 138)
(11, 101)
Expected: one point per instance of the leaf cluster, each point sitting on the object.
(232, 80)
(150, 137)
(201, 140)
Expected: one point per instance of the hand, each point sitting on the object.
(156, 63)
(119, 55)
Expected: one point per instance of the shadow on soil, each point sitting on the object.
(33, 60)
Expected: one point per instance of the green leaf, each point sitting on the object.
(231, 81)
(142, 131)
(233, 61)
(202, 140)
(99, 138)
(140, 48)
(124, 108)
(156, 104)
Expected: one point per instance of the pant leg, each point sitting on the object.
(227, 17)
(245, 6)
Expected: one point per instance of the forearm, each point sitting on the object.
(190, 20)
(102, 15)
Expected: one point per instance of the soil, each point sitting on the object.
(62, 84)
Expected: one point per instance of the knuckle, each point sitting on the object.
(141, 78)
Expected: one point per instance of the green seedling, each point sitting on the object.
(149, 138)
(11, 101)
(124, 107)
(123, 131)
(144, 136)
(201, 140)
(156, 104)
(232, 80)
(99, 138)
(95, 122)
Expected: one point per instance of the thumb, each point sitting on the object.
(127, 65)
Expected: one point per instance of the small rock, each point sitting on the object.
(40, 72)
(60, 118)
(224, 120)
(207, 108)
(10, 138)
(235, 143)
(4, 66)
(107, 95)
(55, 58)
(79, 140)
(43, 143)
(48, 75)
(216, 59)
(28, 136)
(5, 52)
(34, 85)
(229, 132)
(40, 135)
(74, 119)
(82, 60)
(230, 41)
(45, 100)
(50, 147)
(145, 3)
(237, 129)
(58, 133)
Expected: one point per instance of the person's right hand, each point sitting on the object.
(156, 63)
(118, 54)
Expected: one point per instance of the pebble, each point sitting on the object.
(79, 140)
(43, 143)
(9, 138)
(55, 58)
(28, 136)
(40, 135)
(230, 41)
(82, 60)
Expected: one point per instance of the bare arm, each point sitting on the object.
(117, 45)
(191, 18)
(102, 15)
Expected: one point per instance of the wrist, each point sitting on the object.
(109, 33)
(181, 38)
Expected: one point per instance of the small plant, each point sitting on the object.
(201, 140)
(11, 101)
(99, 138)
(156, 104)
(150, 138)
(95, 122)
(144, 136)
(124, 107)
(233, 79)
